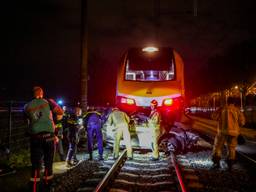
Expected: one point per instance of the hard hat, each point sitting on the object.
(154, 102)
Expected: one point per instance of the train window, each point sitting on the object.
(144, 66)
(130, 76)
(149, 74)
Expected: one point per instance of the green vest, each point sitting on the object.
(40, 116)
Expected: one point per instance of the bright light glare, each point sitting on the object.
(60, 102)
(127, 101)
(150, 49)
(130, 101)
(168, 102)
(123, 100)
(204, 162)
(151, 74)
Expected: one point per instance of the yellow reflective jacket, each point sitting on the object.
(117, 118)
(154, 119)
(230, 118)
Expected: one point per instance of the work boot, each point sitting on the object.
(215, 165)
(62, 157)
(115, 157)
(90, 156)
(216, 162)
(230, 163)
(75, 161)
(100, 158)
(153, 159)
(34, 187)
(69, 164)
(47, 184)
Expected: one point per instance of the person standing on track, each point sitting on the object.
(154, 126)
(93, 123)
(121, 121)
(229, 118)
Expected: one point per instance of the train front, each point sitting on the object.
(147, 74)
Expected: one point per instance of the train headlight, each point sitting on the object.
(128, 101)
(150, 49)
(168, 102)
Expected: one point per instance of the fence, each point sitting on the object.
(13, 126)
(205, 112)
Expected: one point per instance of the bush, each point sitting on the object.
(20, 159)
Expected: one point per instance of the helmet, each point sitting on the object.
(154, 102)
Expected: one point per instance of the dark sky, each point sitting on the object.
(41, 43)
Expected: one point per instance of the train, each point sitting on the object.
(146, 74)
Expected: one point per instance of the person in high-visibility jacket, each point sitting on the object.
(39, 113)
(120, 120)
(229, 118)
(93, 124)
(154, 126)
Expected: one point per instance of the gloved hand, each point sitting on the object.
(56, 139)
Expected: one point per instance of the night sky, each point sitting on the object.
(41, 43)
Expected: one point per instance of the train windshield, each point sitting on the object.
(144, 66)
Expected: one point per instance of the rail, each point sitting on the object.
(105, 181)
(178, 172)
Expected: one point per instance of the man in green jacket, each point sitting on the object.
(39, 112)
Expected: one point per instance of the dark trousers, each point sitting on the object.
(59, 149)
(72, 149)
(42, 149)
(90, 134)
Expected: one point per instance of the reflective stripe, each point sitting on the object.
(48, 177)
(72, 121)
(58, 125)
(92, 112)
(33, 179)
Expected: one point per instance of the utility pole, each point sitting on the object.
(84, 55)
(156, 15)
(195, 8)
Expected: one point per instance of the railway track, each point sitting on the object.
(185, 172)
(141, 174)
(173, 173)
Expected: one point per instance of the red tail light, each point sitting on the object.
(174, 103)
